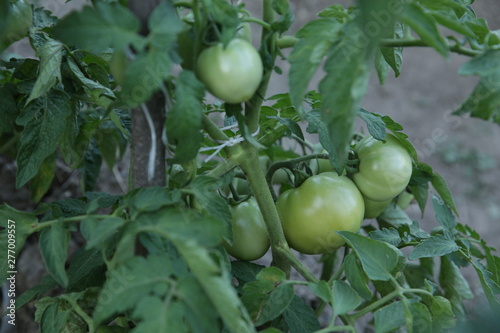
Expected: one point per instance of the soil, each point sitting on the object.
(422, 99)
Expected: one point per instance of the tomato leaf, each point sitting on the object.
(455, 286)
(425, 26)
(322, 290)
(422, 319)
(316, 125)
(41, 183)
(87, 269)
(300, 317)
(184, 121)
(41, 135)
(91, 166)
(376, 126)
(387, 235)
(484, 101)
(356, 277)
(50, 54)
(394, 55)
(435, 246)
(442, 314)
(381, 67)
(106, 25)
(441, 187)
(279, 299)
(53, 242)
(98, 232)
(291, 125)
(315, 38)
(390, 317)
(378, 258)
(491, 289)
(345, 298)
(164, 25)
(343, 87)
(443, 213)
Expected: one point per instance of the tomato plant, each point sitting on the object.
(312, 213)
(384, 168)
(250, 239)
(118, 169)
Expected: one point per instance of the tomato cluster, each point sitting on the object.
(325, 203)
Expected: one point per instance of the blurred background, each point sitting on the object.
(462, 149)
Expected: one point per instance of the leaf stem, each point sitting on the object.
(298, 265)
(375, 305)
(79, 311)
(418, 42)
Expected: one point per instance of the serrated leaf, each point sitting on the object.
(300, 317)
(107, 25)
(435, 246)
(345, 298)
(87, 269)
(443, 213)
(99, 231)
(53, 319)
(388, 235)
(394, 55)
(217, 286)
(376, 126)
(47, 283)
(343, 87)
(314, 40)
(145, 75)
(356, 277)
(455, 286)
(184, 121)
(395, 216)
(151, 199)
(490, 288)
(50, 55)
(127, 284)
(378, 258)
(316, 125)
(441, 187)
(390, 317)
(442, 314)
(53, 243)
(425, 26)
(103, 95)
(41, 183)
(279, 299)
(41, 135)
(164, 25)
(422, 319)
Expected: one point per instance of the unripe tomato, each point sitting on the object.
(312, 213)
(404, 200)
(18, 23)
(374, 208)
(250, 237)
(384, 168)
(232, 74)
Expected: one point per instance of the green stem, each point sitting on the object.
(268, 45)
(39, 226)
(418, 42)
(337, 329)
(252, 19)
(248, 159)
(213, 130)
(375, 305)
(328, 260)
(79, 311)
(289, 164)
(297, 264)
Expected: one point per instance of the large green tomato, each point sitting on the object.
(374, 208)
(232, 74)
(18, 22)
(384, 168)
(250, 237)
(312, 213)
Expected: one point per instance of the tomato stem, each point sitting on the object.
(249, 163)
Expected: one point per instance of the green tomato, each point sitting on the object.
(250, 237)
(404, 200)
(312, 213)
(374, 208)
(384, 168)
(19, 21)
(232, 74)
